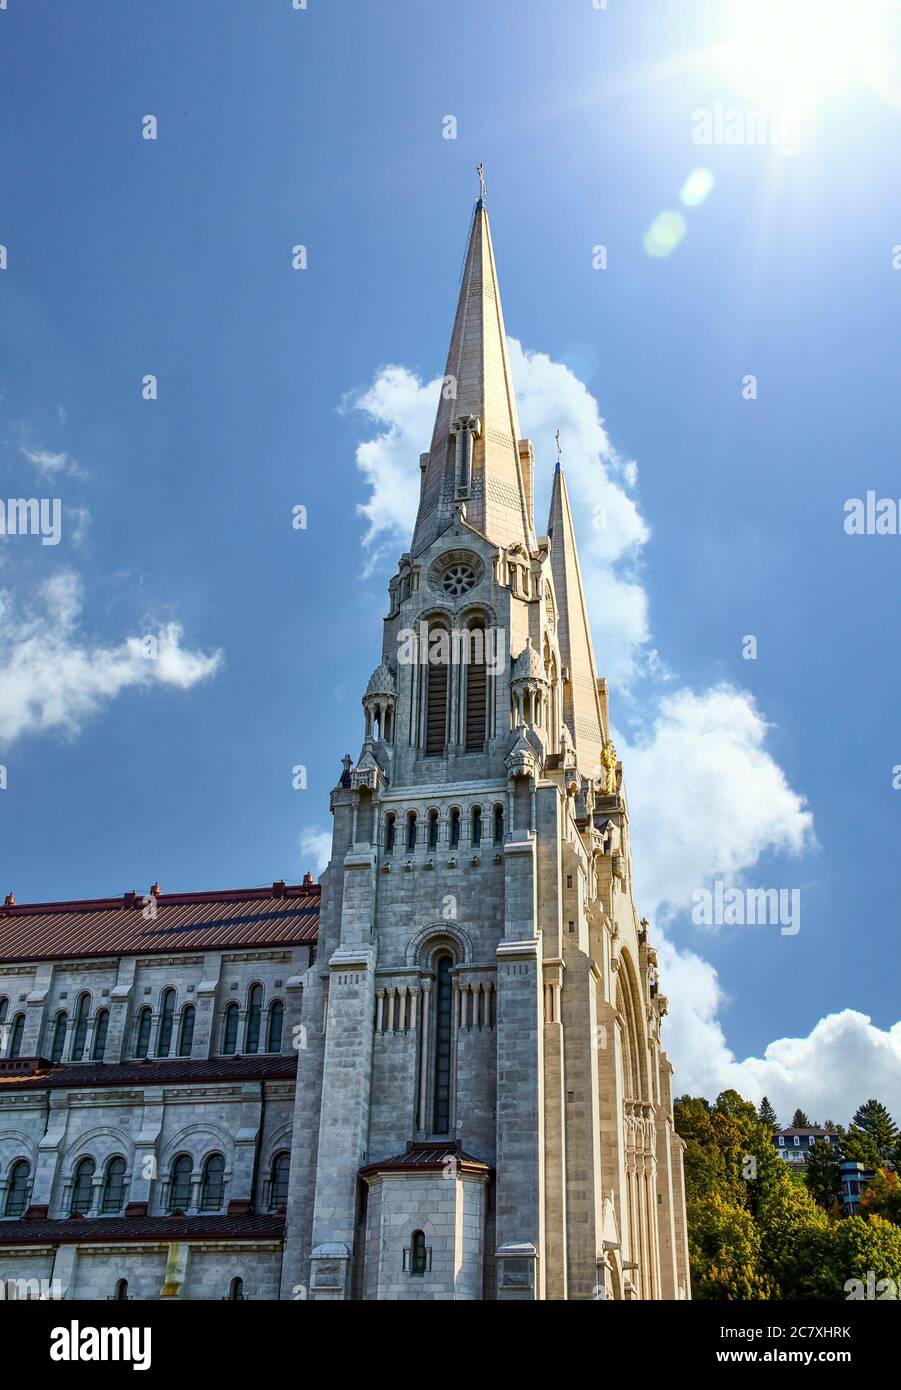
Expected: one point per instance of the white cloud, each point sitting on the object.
(315, 849)
(842, 1060)
(706, 751)
(50, 463)
(53, 679)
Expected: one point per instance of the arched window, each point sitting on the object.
(83, 1186)
(230, 1029)
(180, 1183)
(433, 829)
(186, 1031)
(443, 1001)
(436, 699)
(17, 1033)
(418, 1255)
(498, 825)
(212, 1188)
(254, 1015)
(390, 832)
(410, 838)
(276, 1023)
(18, 1190)
(236, 1290)
(164, 1028)
(121, 1292)
(454, 835)
(4, 1006)
(476, 691)
(101, 1028)
(58, 1040)
(80, 1032)
(476, 825)
(278, 1191)
(142, 1033)
(113, 1197)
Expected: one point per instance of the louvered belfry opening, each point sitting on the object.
(476, 691)
(436, 709)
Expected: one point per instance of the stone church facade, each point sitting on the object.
(442, 1079)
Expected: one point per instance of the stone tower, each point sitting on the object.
(483, 1107)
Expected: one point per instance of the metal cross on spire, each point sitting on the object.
(480, 170)
(559, 449)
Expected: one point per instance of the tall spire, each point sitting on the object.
(476, 456)
(581, 701)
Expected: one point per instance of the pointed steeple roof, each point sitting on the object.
(478, 385)
(581, 702)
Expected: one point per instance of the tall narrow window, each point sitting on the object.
(276, 1025)
(476, 825)
(59, 1037)
(418, 1253)
(441, 1110)
(113, 1196)
(17, 1192)
(498, 834)
(411, 832)
(186, 1031)
(436, 708)
(236, 1290)
(4, 1006)
(212, 1188)
(164, 1031)
(121, 1292)
(390, 832)
(101, 1028)
(80, 1033)
(278, 1191)
(476, 691)
(254, 1014)
(16, 1036)
(83, 1187)
(454, 834)
(142, 1036)
(433, 829)
(180, 1183)
(230, 1029)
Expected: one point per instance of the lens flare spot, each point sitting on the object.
(696, 187)
(664, 234)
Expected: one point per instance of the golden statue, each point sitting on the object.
(608, 759)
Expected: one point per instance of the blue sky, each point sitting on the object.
(324, 127)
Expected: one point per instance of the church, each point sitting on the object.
(436, 1075)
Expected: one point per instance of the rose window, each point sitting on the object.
(458, 580)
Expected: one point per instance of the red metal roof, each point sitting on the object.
(108, 1230)
(283, 915)
(43, 1075)
(425, 1157)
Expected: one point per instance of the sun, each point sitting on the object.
(798, 53)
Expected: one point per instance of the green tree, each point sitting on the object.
(882, 1197)
(873, 1119)
(800, 1120)
(767, 1115)
(859, 1246)
(795, 1238)
(822, 1174)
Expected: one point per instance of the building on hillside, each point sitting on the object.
(855, 1177)
(793, 1144)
